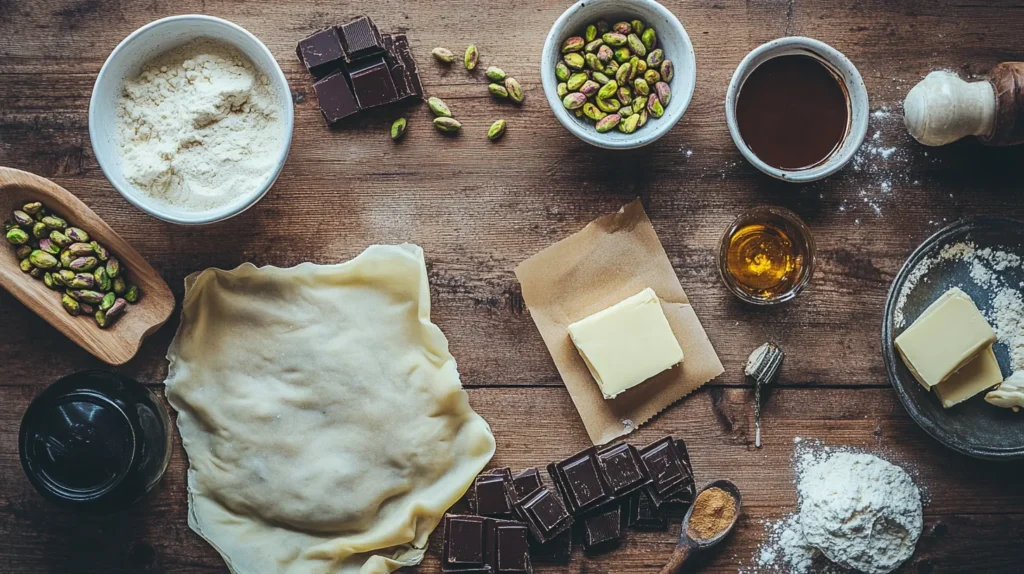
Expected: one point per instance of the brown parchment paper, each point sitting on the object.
(612, 258)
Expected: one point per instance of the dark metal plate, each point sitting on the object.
(974, 427)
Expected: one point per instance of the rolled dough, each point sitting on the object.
(325, 424)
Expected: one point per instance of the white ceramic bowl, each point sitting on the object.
(126, 61)
(841, 66)
(672, 38)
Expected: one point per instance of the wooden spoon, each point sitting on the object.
(118, 343)
(689, 546)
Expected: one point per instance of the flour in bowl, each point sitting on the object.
(199, 127)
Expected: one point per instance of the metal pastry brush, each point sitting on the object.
(763, 367)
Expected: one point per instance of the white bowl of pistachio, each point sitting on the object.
(618, 74)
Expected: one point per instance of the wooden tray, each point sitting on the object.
(974, 427)
(119, 342)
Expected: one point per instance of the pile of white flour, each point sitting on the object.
(857, 512)
(199, 127)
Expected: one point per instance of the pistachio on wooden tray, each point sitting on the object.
(49, 248)
(615, 75)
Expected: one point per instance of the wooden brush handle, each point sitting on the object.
(1007, 80)
(678, 558)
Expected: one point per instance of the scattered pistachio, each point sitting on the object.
(496, 130)
(36, 273)
(629, 125)
(611, 67)
(625, 96)
(54, 222)
(443, 55)
(515, 91)
(639, 103)
(626, 111)
(23, 252)
(101, 278)
(118, 285)
(66, 258)
(575, 81)
(497, 90)
(117, 309)
(25, 265)
(83, 264)
(100, 251)
(47, 245)
(643, 118)
(634, 62)
(86, 296)
(77, 249)
(79, 280)
(495, 74)
(472, 57)
(48, 281)
(87, 309)
(641, 67)
(447, 125)
(439, 108)
(398, 128)
(101, 319)
(622, 74)
(602, 26)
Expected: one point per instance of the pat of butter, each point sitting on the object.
(627, 343)
(949, 333)
(981, 374)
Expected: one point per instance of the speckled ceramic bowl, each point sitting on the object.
(672, 38)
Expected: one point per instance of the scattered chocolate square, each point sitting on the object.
(580, 481)
(361, 38)
(321, 53)
(335, 98)
(489, 490)
(603, 530)
(377, 70)
(643, 514)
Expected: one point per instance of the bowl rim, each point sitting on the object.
(585, 132)
(221, 213)
(857, 98)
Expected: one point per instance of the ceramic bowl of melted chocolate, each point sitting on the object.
(797, 109)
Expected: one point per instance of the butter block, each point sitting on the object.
(949, 333)
(627, 343)
(979, 375)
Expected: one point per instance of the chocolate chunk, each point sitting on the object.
(557, 551)
(603, 530)
(643, 514)
(402, 54)
(622, 468)
(509, 547)
(545, 515)
(464, 544)
(526, 483)
(335, 98)
(489, 489)
(580, 481)
(671, 476)
(361, 39)
(372, 82)
(321, 53)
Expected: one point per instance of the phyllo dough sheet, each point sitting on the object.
(325, 424)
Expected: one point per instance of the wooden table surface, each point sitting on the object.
(478, 209)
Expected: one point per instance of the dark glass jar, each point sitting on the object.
(95, 439)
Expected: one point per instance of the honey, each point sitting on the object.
(766, 255)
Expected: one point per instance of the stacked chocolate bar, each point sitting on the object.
(516, 520)
(356, 68)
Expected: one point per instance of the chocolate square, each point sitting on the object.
(526, 483)
(464, 545)
(622, 468)
(545, 515)
(489, 490)
(402, 53)
(671, 475)
(321, 53)
(372, 82)
(603, 530)
(510, 547)
(580, 480)
(361, 39)
(643, 514)
(556, 551)
(335, 98)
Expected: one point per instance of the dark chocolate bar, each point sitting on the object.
(464, 547)
(489, 491)
(335, 98)
(580, 481)
(321, 53)
(643, 514)
(361, 39)
(671, 476)
(525, 483)
(545, 515)
(603, 529)
(622, 468)
(372, 82)
(556, 551)
(508, 547)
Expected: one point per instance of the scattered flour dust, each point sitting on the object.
(857, 512)
(985, 266)
(199, 126)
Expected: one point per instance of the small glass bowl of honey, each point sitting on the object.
(767, 255)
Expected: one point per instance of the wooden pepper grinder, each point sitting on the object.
(942, 108)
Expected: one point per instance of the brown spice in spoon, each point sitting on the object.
(713, 512)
